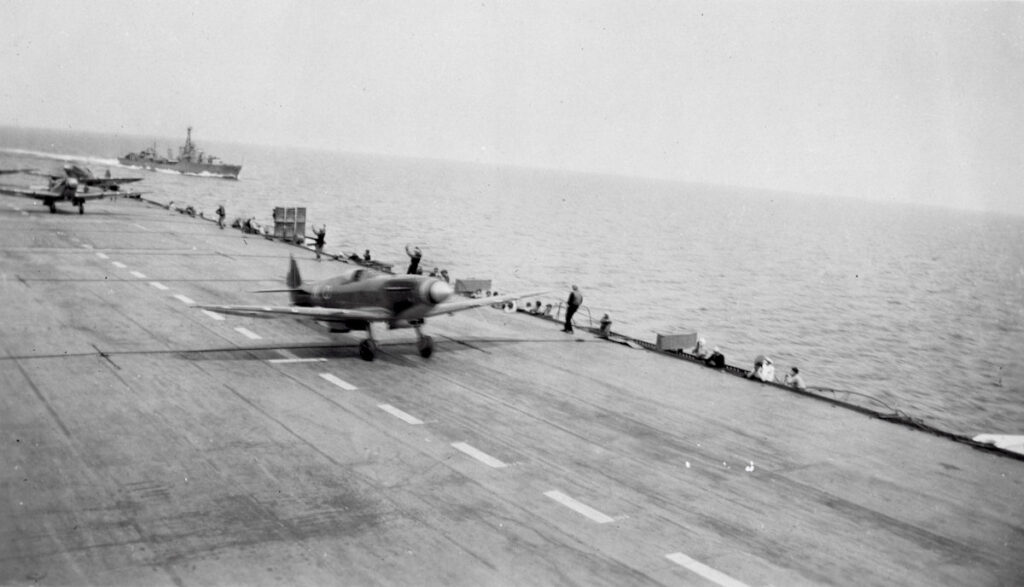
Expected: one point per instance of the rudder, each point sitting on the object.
(293, 279)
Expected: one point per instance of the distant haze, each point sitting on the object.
(909, 101)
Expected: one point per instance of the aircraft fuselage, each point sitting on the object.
(407, 297)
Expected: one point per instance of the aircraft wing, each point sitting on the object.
(38, 173)
(460, 305)
(97, 196)
(15, 190)
(42, 194)
(370, 314)
(106, 182)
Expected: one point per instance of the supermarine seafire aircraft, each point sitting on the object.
(357, 298)
(72, 187)
(85, 176)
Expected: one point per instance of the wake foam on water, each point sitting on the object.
(62, 157)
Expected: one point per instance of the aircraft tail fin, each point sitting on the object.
(294, 280)
(299, 296)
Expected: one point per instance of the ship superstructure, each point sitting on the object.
(190, 161)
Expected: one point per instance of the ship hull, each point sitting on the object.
(184, 167)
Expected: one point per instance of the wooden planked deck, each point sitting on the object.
(146, 442)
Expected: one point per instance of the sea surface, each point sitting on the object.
(920, 307)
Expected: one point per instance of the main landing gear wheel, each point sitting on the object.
(81, 208)
(367, 350)
(53, 208)
(426, 346)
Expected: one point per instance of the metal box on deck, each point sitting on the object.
(290, 224)
(468, 286)
(677, 342)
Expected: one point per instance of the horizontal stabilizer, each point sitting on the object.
(296, 290)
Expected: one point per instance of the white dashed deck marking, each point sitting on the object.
(297, 360)
(159, 285)
(119, 264)
(102, 255)
(703, 570)
(400, 414)
(141, 226)
(213, 315)
(139, 275)
(185, 299)
(579, 508)
(290, 357)
(479, 455)
(247, 333)
(339, 382)
(86, 246)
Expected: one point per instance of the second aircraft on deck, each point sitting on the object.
(72, 186)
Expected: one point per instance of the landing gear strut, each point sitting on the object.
(368, 347)
(53, 207)
(424, 343)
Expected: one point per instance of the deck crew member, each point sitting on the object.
(700, 351)
(415, 254)
(794, 380)
(764, 369)
(716, 359)
(321, 237)
(572, 304)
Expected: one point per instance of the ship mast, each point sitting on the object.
(186, 150)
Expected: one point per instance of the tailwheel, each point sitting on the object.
(426, 346)
(367, 349)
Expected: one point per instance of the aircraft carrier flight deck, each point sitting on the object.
(148, 442)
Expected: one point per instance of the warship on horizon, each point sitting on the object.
(189, 161)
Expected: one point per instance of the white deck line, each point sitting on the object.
(705, 571)
(298, 360)
(400, 414)
(141, 226)
(102, 255)
(119, 264)
(86, 246)
(479, 455)
(339, 382)
(579, 508)
(139, 275)
(213, 315)
(184, 299)
(247, 333)
(159, 285)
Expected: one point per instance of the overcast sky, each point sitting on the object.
(909, 101)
